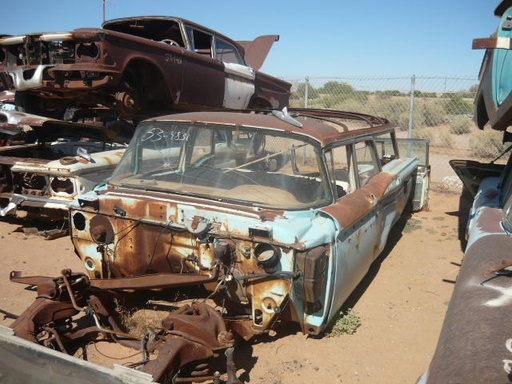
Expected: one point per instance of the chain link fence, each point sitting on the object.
(436, 108)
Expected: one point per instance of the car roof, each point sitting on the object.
(109, 24)
(324, 126)
(502, 7)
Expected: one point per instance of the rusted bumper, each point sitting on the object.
(70, 311)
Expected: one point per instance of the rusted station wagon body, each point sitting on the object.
(140, 66)
(277, 215)
(50, 162)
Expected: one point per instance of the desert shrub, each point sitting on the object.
(425, 94)
(403, 120)
(486, 144)
(389, 93)
(436, 136)
(443, 139)
(297, 103)
(424, 133)
(433, 113)
(457, 105)
(345, 324)
(460, 125)
(362, 95)
(391, 109)
(353, 105)
(334, 93)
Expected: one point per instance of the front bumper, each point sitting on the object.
(18, 202)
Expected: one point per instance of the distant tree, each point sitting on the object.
(337, 88)
(300, 92)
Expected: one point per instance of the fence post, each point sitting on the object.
(411, 107)
(306, 92)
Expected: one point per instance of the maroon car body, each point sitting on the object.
(140, 66)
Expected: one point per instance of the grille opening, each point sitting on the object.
(62, 185)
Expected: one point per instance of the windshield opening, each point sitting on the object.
(247, 165)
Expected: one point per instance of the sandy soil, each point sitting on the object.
(401, 302)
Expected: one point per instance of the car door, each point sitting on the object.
(203, 75)
(365, 214)
(239, 78)
(502, 61)
(472, 172)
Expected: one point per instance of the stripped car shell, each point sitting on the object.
(140, 66)
(255, 196)
(277, 215)
(51, 162)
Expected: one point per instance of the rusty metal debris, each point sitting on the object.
(50, 162)
(70, 310)
(48, 234)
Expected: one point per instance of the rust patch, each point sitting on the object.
(352, 207)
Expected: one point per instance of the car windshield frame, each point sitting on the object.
(239, 164)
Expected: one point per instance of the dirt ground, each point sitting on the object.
(401, 303)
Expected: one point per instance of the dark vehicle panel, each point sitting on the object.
(493, 101)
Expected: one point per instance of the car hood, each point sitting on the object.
(69, 165)
(256, 51)
(52, 130)
(29, 128)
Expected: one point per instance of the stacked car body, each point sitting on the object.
(140, 66)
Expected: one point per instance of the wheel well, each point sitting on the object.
(148, 82)
(481, 116)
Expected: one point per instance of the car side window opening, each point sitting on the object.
(201, 42)
(172, 35)
(367, 161)
(227, 53)
(339, 161)
(387, 148)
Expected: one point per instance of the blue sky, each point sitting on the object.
(330, 38)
